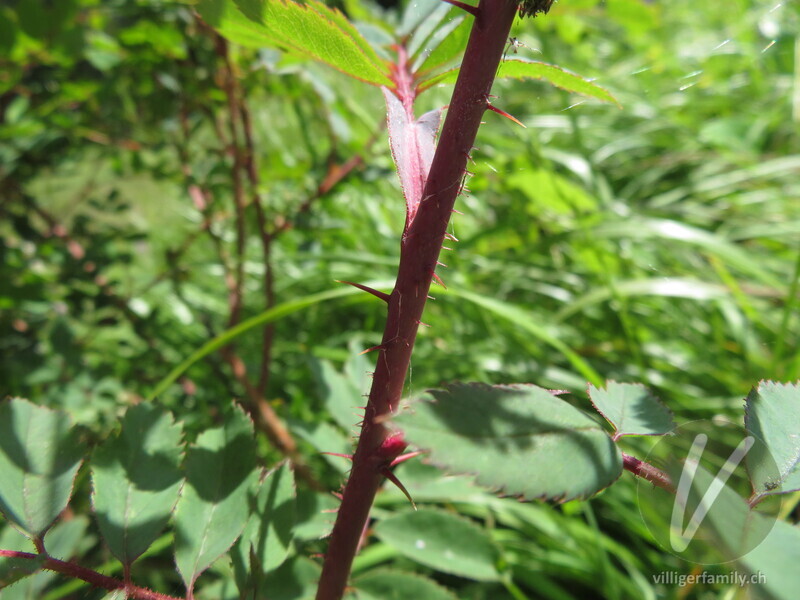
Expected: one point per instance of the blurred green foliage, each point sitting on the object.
(659, 242)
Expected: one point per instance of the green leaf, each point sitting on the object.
(519, 68)
(772, 414)
(40, 453)
(310, 30)
(519, 439)
(386, 584)
(445, 45)
(443, 541)
(136, 479)
(213, 508)
(774, 564)
(267, 538)
(631, 409)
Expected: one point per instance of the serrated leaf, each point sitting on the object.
(444, 541)
(413, 143)
(772, 414)
(136, 479)
(397, 585)
(310, 30)
(520, 439)
(267, 538)
(40, 454)
(213, 508)
(631, 409)
(519, 68)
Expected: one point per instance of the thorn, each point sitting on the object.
(450, 236)
(444, 248)
(458, 212)
(405, 457)
(421, 323)
(338, 495)
(378, 347)
(329, 510)
(438, 280)
(473, 10)
(378, 294)
(441, 264)
(347, 456)
(504, 114)
(431, 297)
(391, 477)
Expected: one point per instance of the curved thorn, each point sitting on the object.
(438, 280)
(391, 477)
(377, 293)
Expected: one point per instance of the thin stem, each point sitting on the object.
(647, 471)
(420, 249)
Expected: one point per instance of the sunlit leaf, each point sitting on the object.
(310, 30)
(631, 409)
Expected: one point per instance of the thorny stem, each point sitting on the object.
(420, 250)
(92, 577)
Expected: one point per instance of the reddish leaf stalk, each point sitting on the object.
(648, 472)
(420, 248)
(92, 577)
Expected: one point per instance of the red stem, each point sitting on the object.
(420, 250)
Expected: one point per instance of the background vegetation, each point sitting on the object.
(656, 243)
